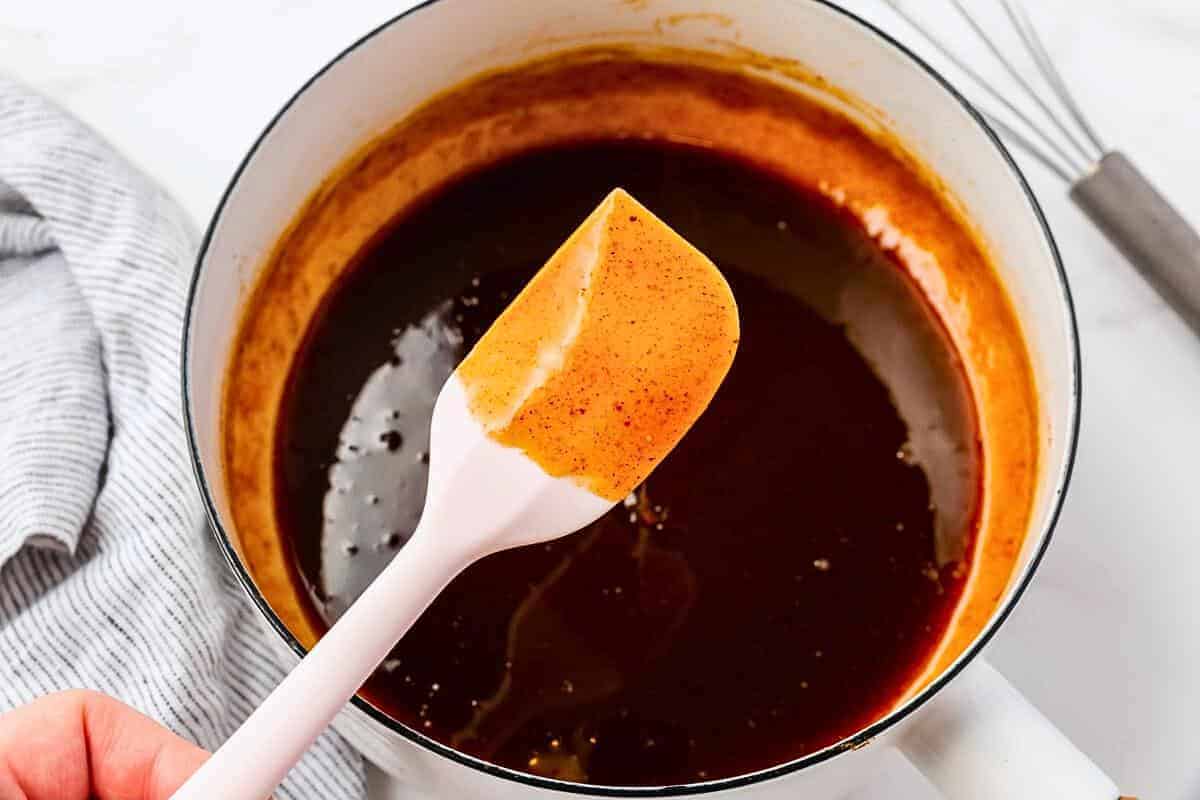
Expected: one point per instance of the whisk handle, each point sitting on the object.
(1135, 217)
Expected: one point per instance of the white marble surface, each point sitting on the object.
(1107, 642)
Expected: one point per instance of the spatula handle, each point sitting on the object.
(257, 756)
(1159, 242)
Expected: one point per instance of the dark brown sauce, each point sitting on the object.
(780, 579)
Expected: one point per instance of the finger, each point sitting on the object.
(43, 752)
(132, 756)
(47, 747)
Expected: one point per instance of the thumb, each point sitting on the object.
(77, 745)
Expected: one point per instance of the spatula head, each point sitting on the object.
(606, 358)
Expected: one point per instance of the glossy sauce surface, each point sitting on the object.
(777, 583)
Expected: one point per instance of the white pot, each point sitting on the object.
(969, 731)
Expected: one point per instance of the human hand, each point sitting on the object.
(81, 745)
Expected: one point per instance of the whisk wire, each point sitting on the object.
(1029, 35)
(1028, 146)
(1043, 147)
(1123, 203)
(1016, 75)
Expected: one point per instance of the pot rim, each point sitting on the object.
(853, 742)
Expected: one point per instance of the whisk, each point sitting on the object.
(1051, 127)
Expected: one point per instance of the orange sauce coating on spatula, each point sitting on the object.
(610, 353)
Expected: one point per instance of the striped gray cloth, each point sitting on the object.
(109, 578)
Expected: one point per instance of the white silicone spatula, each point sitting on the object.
(573, 396)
